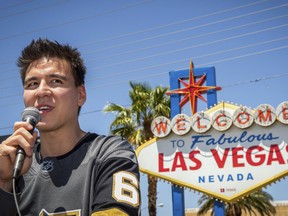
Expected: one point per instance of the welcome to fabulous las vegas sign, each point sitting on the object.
(226, 152)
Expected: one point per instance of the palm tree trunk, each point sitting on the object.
(152, 195)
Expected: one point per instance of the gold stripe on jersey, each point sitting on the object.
(67, 213)
(110, 212)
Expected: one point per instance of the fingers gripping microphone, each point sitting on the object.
(32, 116)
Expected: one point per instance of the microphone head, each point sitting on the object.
(32, 113)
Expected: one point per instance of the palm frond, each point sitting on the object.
(259, 202)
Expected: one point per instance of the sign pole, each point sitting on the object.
(178, 192)
(219, 208)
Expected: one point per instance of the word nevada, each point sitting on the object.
(221, 118)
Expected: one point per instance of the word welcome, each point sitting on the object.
(222, 119)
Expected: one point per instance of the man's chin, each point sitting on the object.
(42, 126)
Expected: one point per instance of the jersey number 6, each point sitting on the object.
(125, 188)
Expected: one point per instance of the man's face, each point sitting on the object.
(50, 86)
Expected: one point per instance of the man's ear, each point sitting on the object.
(81, 95)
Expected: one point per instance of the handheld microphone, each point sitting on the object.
(32, 116)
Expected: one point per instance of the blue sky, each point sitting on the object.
(141, 41)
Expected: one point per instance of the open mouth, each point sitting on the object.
(44, 108)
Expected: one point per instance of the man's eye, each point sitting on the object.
(31, 84)
(57, 81)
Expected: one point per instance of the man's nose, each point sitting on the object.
(43, 90)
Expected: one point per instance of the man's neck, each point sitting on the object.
(58, 143)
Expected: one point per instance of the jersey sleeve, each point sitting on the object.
(116, 186)
(7, 204)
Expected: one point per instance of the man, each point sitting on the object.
(70, 171)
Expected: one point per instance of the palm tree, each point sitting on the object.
(134, 122)
(257, 202)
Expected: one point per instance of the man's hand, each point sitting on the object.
(20, 137)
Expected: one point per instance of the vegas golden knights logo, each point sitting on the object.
(68, 213)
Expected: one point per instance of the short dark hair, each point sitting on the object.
(52, 49)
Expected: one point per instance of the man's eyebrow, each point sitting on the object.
(29, 79)
(59, 76)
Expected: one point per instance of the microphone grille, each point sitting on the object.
(31, 112)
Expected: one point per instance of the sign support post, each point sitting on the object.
(177, 192)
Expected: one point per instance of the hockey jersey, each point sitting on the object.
(100, 176)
